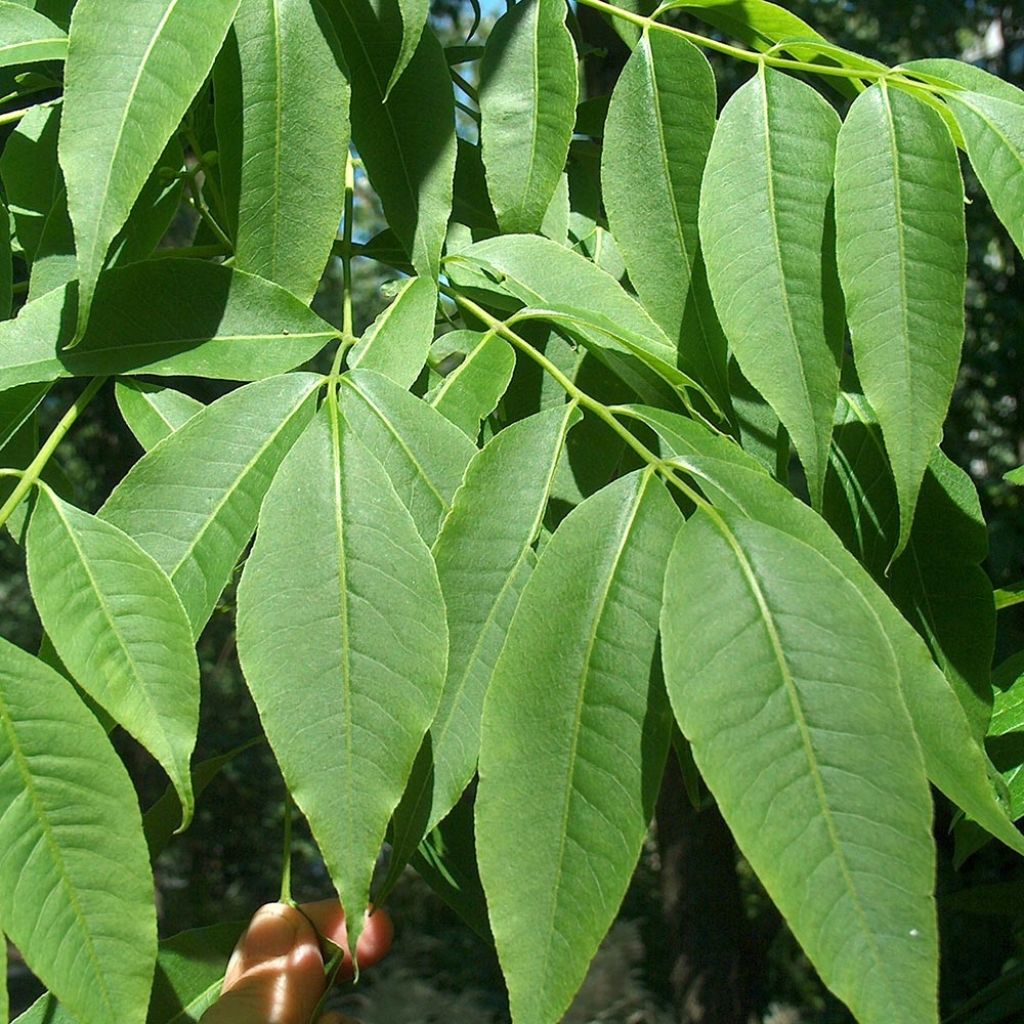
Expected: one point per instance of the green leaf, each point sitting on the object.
(217, 468)
(422, 452)
(347, 679)
(103, 602)
(954, 759)
(573, 743)
(528, 92)
(902, 261)
(407, 143)
(31, 175)
(471, 205)
(993, 130)
(190, 968)
(29, 36)
(780, 676)
(764, 211)
(966, 76)
(124, 94)
(397, 343)
(16, 408)
(1008, 708)
(5, 1006)
(414, 19)
(471, 391)
(659, 129)
(151, 411)
(6, 263)
(168, 318)
(86, 930)
(282, 100)
(938, 582)
(484, 556)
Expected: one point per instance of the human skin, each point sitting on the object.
(276, 973)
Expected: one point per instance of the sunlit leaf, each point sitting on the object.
(29, 36)
(414, 18)
(118, 625)
(346, 679)
(76, 893)
(573, 742)
(125, 93)
(471, 391)
(902, 260)
(192, 502)
(152, 411)
(528, 92)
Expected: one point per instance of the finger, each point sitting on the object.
(334, 1017)
(374, 942)
(275, 974)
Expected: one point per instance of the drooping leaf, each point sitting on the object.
(938, 582)
(902, 260)
(764, 207)
(993, 129)
(471, 391)
(125, 93)
(118, 625)
(414, 19)
(408, 142)
(659, 129)
(192, 502)
(954, 760)
(780, 676)
(396, 344)
(422, 452)
(168, 318)
(573, 742)
(282, 129)
(29, 36)
(152, 411)
(347, 679)
(528, 92)
(87, 931)
(484, 557)
(30, 174)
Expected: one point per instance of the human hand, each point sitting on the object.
(276, 973)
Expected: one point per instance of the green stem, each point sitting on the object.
(38, 464)
(286, 855)
(14, 116)
(209, 180)
(585, 401)
(346, 247)
(752, 56)
(204, 211)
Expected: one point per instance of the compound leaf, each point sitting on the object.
(70, 813)
(117, 624)
(125, 94)
(573, 742)
(346, 679)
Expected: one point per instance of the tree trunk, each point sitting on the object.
(717, 968)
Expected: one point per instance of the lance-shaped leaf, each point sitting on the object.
(168, 318)
(117, 624)
(414, 18)
(397, 343)
(6, 263)
(937, 582)
(573, 742)
(70, 814)
(902, 260)
(192, 502)
(993, 129)
(29, 36)
(471, 391)
(484, 557)
(151, 411)
(780, 677)
(954, 759)
(407, 142)
(764, 209)
(346, 679)
(125, 92)
(282, 129)
(528, 92)
(660, 123)
(422, 452)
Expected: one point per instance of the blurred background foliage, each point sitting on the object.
(229, 860)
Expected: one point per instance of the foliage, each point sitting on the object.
(648, 436)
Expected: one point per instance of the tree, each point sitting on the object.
(641, 462)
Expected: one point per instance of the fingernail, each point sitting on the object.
(272, 933)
